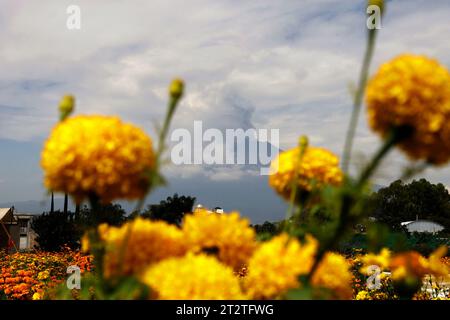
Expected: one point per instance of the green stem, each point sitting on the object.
(358, 99)
(162, 136)
(348, 200)
(94, 237)
(294, 189)
(392, 139)
(340, 229)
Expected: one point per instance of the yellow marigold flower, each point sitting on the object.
(227, 235)
(435, 264)
(382, 260)
(408, 264)
(142, 242)
(413, 91)
(318, 167)
(37, 296)
(43, 275)
(85, 245)
(275, 266)
(363, 295)
(333, 273)
(192, 277)
(98, 155)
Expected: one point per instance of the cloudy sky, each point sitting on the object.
(284, 65)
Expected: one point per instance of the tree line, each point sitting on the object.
(55, 229)
(389, 207)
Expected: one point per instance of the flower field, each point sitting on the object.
(25, 276)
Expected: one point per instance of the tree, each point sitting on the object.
(54, 230)
(405, 202)
(66, 202)
(266, 227)
(171, 210)
(57, 229)
(112, 214)
(52, 205)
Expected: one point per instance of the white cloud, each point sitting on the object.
(265, 64)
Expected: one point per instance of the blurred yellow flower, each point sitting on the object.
(227, 235)
(316, 168)
(435, 264)
(333, 273)
(85, 245)
(413, 91)
(275, 266)
(408, 264)
(192, 277)
(37, 296)
(382, 260)
(142, 243)
(43, 275)
(98, 155)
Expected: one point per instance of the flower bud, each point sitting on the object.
(378, 3)
(176, 89)
(303, 142)
(66, 106)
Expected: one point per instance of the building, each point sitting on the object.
(422, 226)
(27, 237)
(200, 207)
(7, 229)
(15, 230)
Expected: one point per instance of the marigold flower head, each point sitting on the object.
(412, 264)
(382, 260)
(275, 266)
(316, 168)
(37, 296)
(413, 91)
(228, 235)
(99, 155)
(408, 264)
(333, 273)
(363, 295)
(436, 265)
(142, 243)
(193, 277)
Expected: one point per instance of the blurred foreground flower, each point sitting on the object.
(412, 264)
(316, 168)
(137, 244)
(333, 273)
(228, 236)
(381, 260)
(276, 265)
(98, 155)
(413, 91)
(193, 277)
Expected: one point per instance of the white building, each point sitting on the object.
(422, 226)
